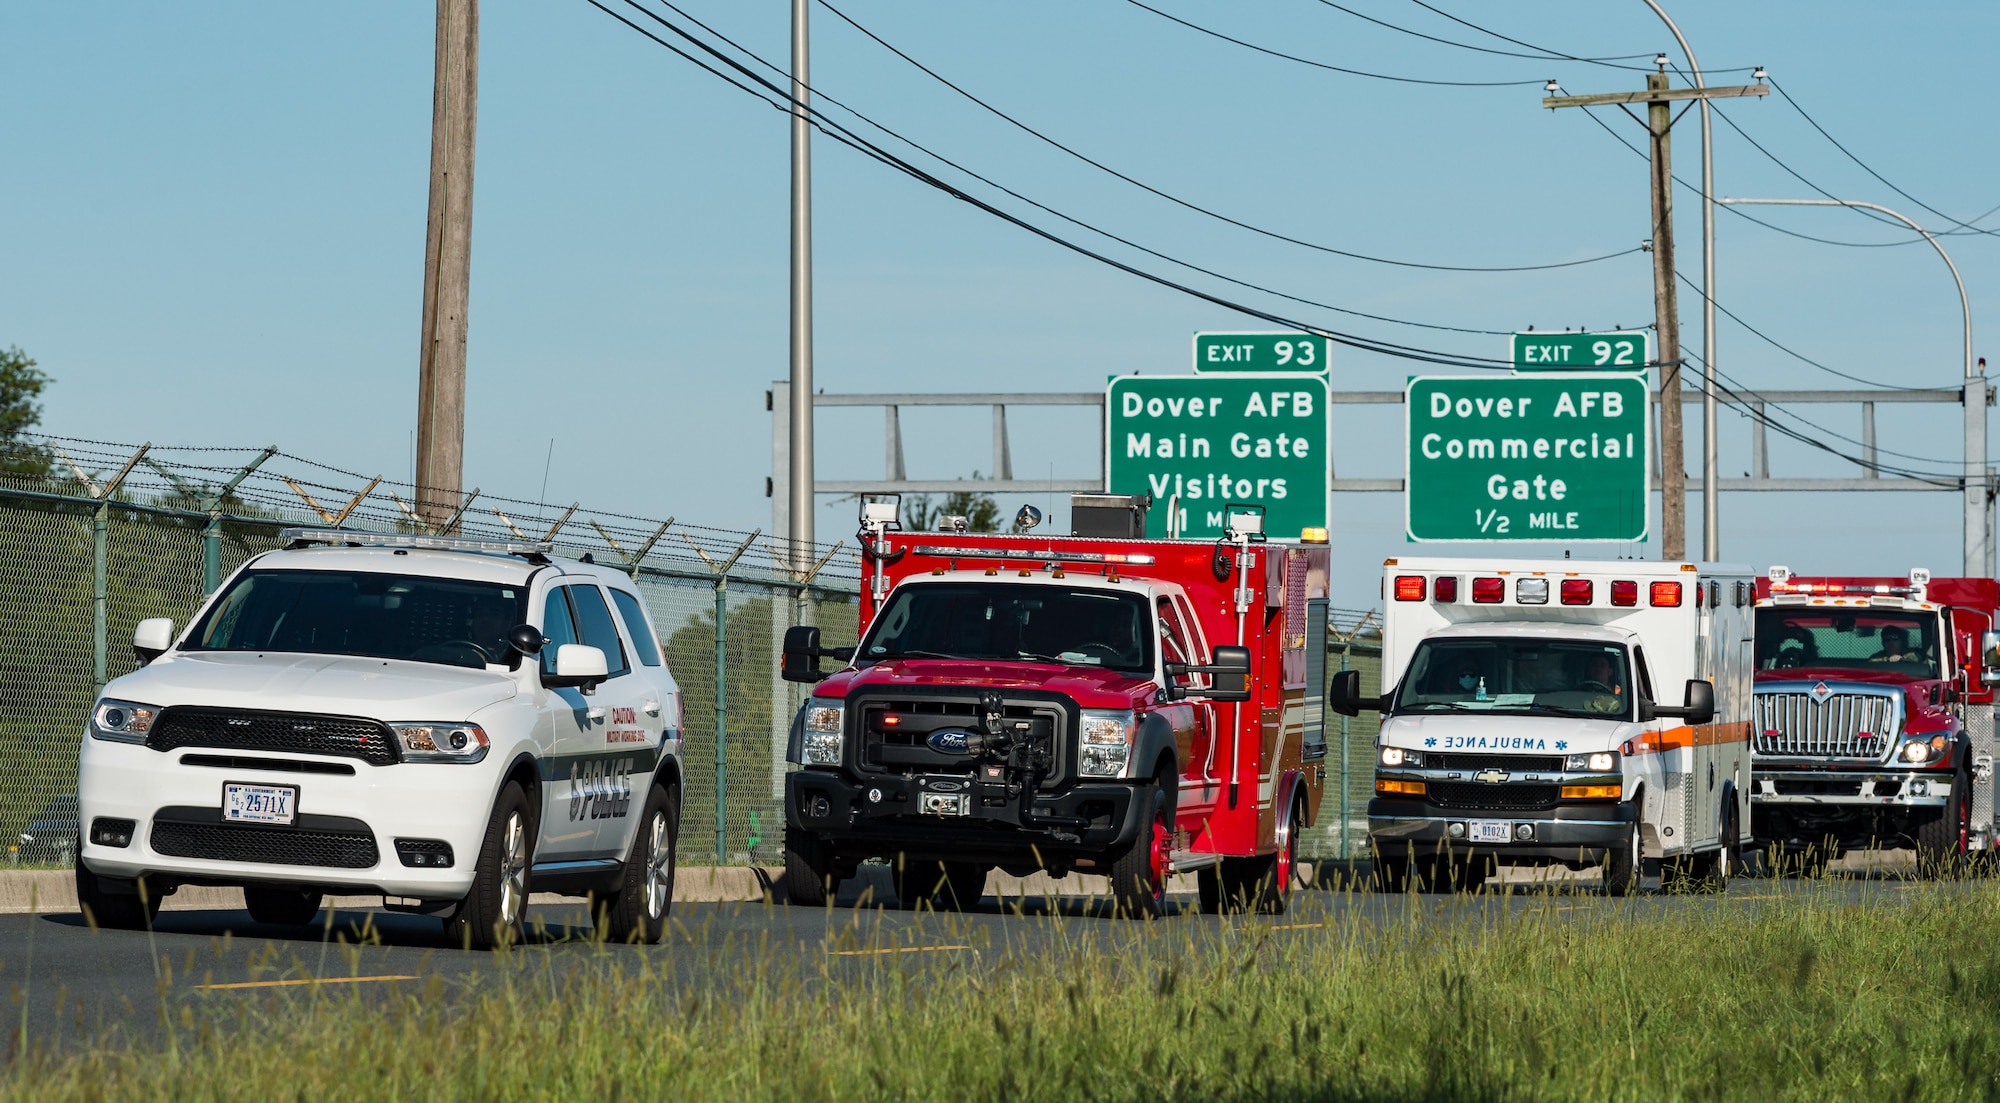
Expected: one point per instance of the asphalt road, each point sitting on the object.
(70, 985)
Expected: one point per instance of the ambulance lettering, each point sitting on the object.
(1494, 743)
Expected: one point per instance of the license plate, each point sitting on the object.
(259, 803)
(1489, 831)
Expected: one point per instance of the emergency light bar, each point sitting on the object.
(300, 537)
(1535, 590)
(1841, 588)
(947, 551)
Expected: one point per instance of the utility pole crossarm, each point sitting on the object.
(1612, 99)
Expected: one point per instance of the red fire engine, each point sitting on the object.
(1874, 721)
(1101, 703)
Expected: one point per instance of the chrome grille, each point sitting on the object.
(1845, 725)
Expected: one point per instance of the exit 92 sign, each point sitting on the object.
(1623, 350)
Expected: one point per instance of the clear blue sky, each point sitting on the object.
(211, 222)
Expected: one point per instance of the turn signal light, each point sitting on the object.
(1578, 591)
(1409, 587)
(1666, 595)
(1624, 592)
(1405, 788)
(1488, 591)
(1593, 792)
(1444, 590)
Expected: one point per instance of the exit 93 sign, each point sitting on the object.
(1261, 352)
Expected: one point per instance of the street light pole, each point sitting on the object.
(799, 512)
(1978, 547)
(1711, 538)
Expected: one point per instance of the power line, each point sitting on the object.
(1743, 399)
(1541, 56)
(1323, 65)
(1197, 208)
(782, 100)
(1967, 227)
(1610, 63)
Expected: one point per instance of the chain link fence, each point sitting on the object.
(95, 537)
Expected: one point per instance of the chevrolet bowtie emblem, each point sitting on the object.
(1491, 776)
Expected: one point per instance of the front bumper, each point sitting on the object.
(1859, 788)
(1581, 833)
(443, 802)
(880, 816)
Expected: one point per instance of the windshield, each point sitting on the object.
(381, 616)
(1011, 622)
(1507, 674)
(1902, 643)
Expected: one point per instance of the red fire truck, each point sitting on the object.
(1101, 703)
(1874, 720)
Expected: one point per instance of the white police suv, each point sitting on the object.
(449, 723)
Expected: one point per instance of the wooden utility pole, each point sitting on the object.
(1658, 99)
(1667, 320)
(447, 265)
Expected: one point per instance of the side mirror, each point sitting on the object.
(1231, 673)
(1699, 706)
(802, 652)
(1344, 694)
(526, 639)
(152, 638)
(578, 666)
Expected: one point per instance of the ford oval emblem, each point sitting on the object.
(950, 741)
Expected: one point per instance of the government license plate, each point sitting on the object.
(259, 803)
(1489, 831)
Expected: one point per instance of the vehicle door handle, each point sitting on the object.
(595, 712)
(652, 708)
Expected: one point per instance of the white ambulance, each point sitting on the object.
(1543, 712)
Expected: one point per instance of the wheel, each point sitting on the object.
(1944, 837)
(1717, 866)
(807, 880)
(114, 910)
(494, 912)
(1622, 864)
(638, 912)
(1264, 883)
(1139, 876)
(289, 907)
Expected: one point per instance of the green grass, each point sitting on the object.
(1805, 995)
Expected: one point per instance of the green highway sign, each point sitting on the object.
(1625, 350)
(1554, 458)
(1197, 443)
(1261, 352)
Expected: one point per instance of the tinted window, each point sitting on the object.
(1015, 623)
(593, 617)
(1861, 639)
(557, 626)
(637, 627)
(1517, 674)
(378, 615)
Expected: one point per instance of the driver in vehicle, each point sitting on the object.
(487, 625)
(1896, 647)
(1600, 680)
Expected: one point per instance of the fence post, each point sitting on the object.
(721, 572)
(1345, 646)
(100, 591)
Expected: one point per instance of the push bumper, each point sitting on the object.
(1579, 833)
(172, 806)
(1852, 788)
(885, 814)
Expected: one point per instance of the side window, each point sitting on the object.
(637, 627)
(557, 626)
(1173, 641)
(593, 618)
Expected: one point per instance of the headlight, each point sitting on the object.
(1917, 750)
(441, 742)
(822, 742)
(1399, 758)
(122, 721)
(1106, 742)
(1596, 762)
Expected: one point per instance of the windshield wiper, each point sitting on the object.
(1460, 706)
(919, 653)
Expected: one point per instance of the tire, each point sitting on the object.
(114, 911)
(638, 912)
(1264, 883)
(494, 913)
(808, 880)
(1622, 865)
(1943, 840)
(1139, 876)
(281, 906)
(1719, 865)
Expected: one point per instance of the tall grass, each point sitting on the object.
(1806, 994)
